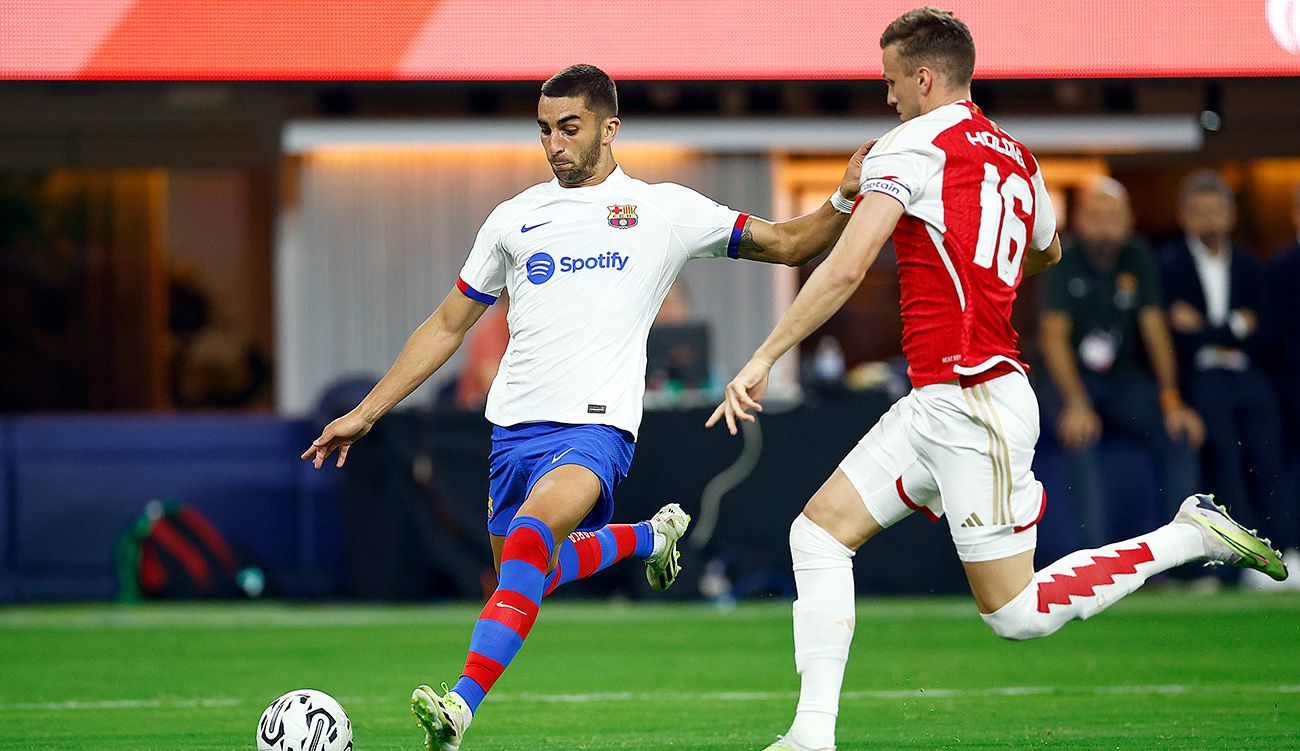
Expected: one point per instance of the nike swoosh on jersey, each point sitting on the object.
(527, 228)
(560, 455)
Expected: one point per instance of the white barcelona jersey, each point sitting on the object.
(587, 269)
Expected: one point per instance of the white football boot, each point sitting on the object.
(1228, 542)
(444, 718)
(662, 568)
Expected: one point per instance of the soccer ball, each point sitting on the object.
(304, 720)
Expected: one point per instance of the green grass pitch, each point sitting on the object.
(1158, 671)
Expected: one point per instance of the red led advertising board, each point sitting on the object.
(645, 39)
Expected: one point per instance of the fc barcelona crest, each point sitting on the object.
(622, 217)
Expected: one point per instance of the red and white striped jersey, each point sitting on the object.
(974, 201)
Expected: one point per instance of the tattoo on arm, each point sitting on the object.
(747, 242)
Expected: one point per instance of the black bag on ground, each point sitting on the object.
(175, 552)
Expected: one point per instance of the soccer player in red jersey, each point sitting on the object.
(969, 215)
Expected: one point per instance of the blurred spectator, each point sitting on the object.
(487, 345)
(677, 349)
(1284, 289)
(1102, 335)
(213, 363)
(1216, 293)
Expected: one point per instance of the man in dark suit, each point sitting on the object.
(1216, 295)
(1284, 295)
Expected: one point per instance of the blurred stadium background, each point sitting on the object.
(220, 220)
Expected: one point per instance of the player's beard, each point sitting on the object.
(582, 167)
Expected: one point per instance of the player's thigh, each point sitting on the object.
(997, 582)
(837, 508)
(978, 443)
(562, 497)
(876, 485)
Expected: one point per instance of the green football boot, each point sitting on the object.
(1228, 542)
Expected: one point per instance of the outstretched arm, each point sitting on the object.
(427, 349)
(796, 241)
(824, 293)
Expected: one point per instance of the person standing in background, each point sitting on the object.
(1284, 296)
(1109, 353)
(1215, 291)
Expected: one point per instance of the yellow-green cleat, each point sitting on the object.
(1226, 541)
(444, 718)
(661, 569)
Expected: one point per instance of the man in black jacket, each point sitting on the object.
(1106, 344)
(1216, 294)
(1284, 295)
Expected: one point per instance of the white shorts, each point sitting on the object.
(963, 452)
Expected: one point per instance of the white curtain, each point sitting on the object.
(370, 242)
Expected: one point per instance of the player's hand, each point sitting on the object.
(851, 183)
(1182, 423)
(1079, 427)
(339, 434)
(742, 394)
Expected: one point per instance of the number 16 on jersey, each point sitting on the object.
(1003, 233)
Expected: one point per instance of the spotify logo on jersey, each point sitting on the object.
(540, 267)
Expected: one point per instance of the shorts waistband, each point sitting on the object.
(997, 371)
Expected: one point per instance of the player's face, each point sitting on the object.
(1208, 216)
(904, 88)
(571, 136)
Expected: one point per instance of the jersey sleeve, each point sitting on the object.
(484, 274)
(704, 227)
(1044, 213)
(900, 166)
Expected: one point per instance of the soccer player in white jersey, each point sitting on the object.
(969, 215)
(587, 260)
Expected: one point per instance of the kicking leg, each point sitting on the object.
(558, 503)
(1018, 603)
(582, 554)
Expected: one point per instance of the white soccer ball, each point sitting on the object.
(304, 720)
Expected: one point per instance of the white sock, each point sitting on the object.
(824, 619)
(661, 542)
(1084, 583)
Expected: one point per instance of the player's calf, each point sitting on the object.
(582, 554)
(1087, 582)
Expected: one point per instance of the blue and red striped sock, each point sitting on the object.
(510, 611)
(584, 553)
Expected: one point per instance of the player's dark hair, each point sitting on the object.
(590, 83)
(936, 39)
(1205, 181)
